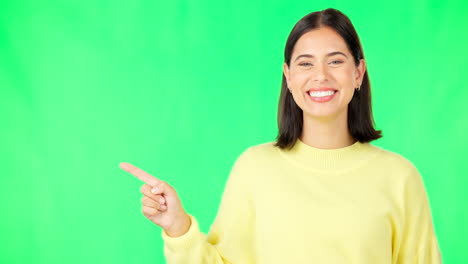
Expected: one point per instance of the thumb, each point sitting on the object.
(161, 187)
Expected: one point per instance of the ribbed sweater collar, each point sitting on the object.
(330, 159)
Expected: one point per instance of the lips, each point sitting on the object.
(322, 95)
(321, 89)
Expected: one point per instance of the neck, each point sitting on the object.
(328, 132)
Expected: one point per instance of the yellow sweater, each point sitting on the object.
(358, 204)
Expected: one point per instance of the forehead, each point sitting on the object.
(319, 42)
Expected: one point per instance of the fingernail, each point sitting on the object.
(161, 200)
(155, 190)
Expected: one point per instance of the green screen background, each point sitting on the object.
(180, 89)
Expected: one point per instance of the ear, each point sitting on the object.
(286, 72)
(359, 73)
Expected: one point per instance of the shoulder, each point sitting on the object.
(395, 159)
(397, 164)
(256, 153)
(250, 160)
(266, 150)
(266, 147)
(258, 149)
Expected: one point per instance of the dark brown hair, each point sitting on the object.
(360, 119)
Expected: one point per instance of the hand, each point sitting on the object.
(161, 204)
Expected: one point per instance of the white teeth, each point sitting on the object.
(321, 93)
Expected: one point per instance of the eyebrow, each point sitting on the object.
(328, 55)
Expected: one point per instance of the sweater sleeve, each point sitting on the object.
(230, 239)
(419, 243)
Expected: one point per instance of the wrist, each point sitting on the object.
(180, 228)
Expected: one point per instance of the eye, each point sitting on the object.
(335, 62)
(305, 64)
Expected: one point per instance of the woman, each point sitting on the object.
(320, 193)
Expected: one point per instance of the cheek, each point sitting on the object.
(345, 81)
(347, 96)
(298, 80)
(345, 78)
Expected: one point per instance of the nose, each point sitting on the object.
(320, 73)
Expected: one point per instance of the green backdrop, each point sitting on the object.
(180, 89)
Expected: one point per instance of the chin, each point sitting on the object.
(320, 115)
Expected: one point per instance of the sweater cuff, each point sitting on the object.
(186, 241)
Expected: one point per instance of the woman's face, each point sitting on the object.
(322, 75)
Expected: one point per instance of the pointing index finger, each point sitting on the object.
(139, 173)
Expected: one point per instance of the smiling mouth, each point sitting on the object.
(320, 94)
